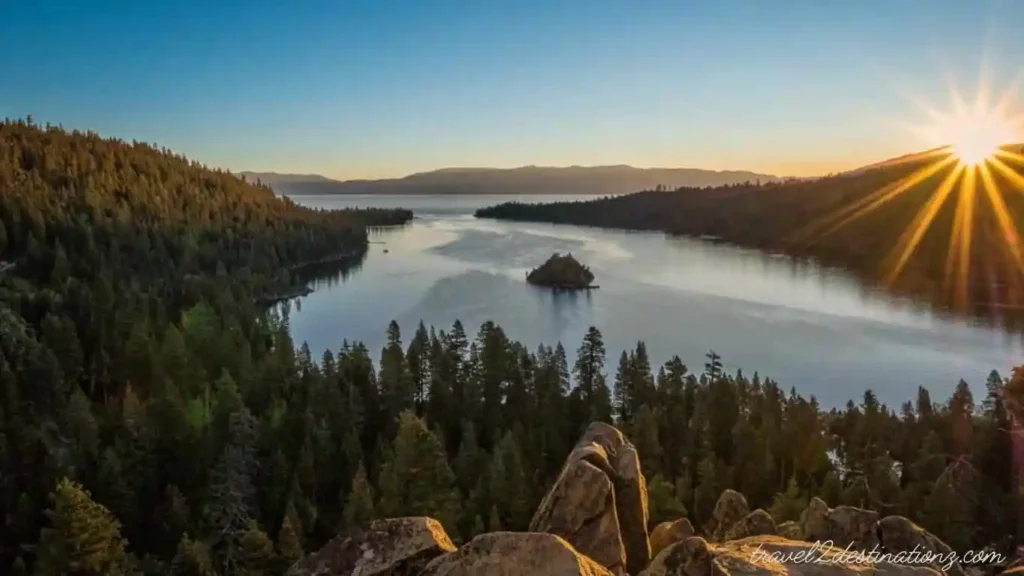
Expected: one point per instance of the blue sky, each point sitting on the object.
(382, 88)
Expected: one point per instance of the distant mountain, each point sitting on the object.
(526, 180)
(273, 179)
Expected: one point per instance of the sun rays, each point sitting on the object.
(974, 174)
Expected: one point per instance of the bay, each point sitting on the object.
(817, 330)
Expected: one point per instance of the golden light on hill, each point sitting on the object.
(968, 179)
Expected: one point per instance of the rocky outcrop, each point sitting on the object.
(599, 502)
(387, 547)
(767, 555)
(842, 526)
(814, 520)
(850, 526)
(790, 530)
(898, 534)
(515, 554)
(593, 522)
(668, 533)
(730, 509)
(581, 508)
(757, 523)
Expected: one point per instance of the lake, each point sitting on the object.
(806, 327)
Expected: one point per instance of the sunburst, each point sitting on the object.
(979, 170)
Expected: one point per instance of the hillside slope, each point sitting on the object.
(529, 180)
(814, 218)
(129, 277)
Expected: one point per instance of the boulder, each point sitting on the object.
(814, 520)
(757, 523)
(515, 554)
(899, 534)
(790, 530)
(768, 555)
(668, 533)
(392, 546)
(690, 557)
(730, 509)
(850, 526)
(599, 502)
(580, 507)
(841, 526)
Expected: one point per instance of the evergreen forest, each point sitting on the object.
(157, 418)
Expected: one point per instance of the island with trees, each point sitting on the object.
(562, 273)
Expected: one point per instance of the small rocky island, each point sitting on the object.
(562, 273)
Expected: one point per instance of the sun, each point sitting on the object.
(973, 133)
(975, 138)
(969, 184)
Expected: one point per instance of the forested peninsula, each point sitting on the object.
(155, 419)
(860, 221)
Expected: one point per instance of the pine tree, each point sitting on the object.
(946, 514)
(83, 537)
(790, 504)
(508, 487)
(256, 554)
(418, 359)
(643, 383)
(831, 489)
(494, 521)
(590, 380)
(191, 559)
(396, 383)
(708, 489)
(415, 479)
(289, 544)
(645, 438)
(229, 511)
(663, 504)
(61, 267)
(623, 391)
(359, 508)
(82, 427)
(470, 461)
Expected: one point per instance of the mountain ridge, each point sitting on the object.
(530, 179)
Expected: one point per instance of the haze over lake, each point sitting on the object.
(813, 329)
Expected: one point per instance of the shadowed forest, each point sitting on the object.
(154, 418)
(815, 219)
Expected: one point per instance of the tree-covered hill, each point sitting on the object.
(106, 249)
(861, 221)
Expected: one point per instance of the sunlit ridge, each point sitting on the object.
(973, 151)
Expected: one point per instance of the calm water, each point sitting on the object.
(813, 329)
